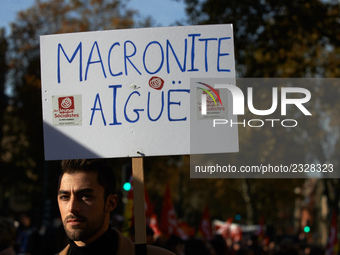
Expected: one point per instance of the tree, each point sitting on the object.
(283, 39)
(23, 145)
(3, 72)
(277, 38)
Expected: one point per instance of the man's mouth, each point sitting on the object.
(74, 221)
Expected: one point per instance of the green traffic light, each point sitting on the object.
(127, 186)
(306, 229)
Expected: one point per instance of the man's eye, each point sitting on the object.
(86, 197)
(63, 197)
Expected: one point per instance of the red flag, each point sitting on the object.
(228, 230)
(153, 224)
(225, 229)
(260, 230)
(148, 207)
(184, 230)
(169, 224)
(205, 230)
(332, 242)
(168, 218)
(236, 233)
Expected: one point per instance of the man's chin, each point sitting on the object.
(75, 234)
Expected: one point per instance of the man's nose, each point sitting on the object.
(74, 205)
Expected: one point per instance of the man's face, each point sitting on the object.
(82, 206)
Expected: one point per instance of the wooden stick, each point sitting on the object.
(139, 200)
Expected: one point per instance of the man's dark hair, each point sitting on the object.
(106, 176)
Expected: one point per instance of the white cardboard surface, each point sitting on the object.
(103, 95)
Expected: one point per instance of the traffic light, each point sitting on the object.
(127, 186)
(306, 229)
(126, 177)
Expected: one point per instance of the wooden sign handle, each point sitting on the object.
(139, 200)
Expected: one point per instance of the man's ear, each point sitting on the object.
(111, 202)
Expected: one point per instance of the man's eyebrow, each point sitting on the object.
(80, 191)
(86, 190)
(63, 192)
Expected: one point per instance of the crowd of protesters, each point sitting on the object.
(249, 245)
(21, 238)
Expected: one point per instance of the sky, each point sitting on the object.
(163, 12)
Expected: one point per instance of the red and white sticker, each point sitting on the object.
(67, 110)
(66, 104)
(156, 83)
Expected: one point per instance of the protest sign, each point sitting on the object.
(123, 92)
(126, 93)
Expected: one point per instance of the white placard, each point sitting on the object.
(116, 93)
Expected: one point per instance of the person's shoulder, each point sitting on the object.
(8, 251)
(155, 250)
(126, 246)
(64, 251)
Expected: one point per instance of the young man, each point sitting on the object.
(86, 197)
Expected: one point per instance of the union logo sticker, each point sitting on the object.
(67, 110)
